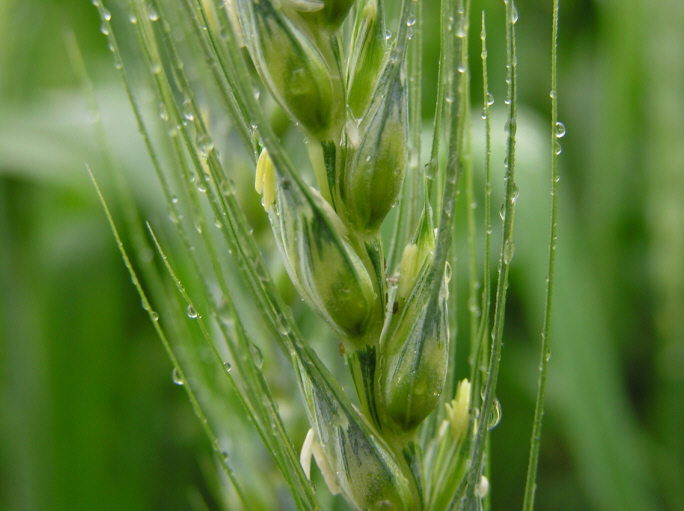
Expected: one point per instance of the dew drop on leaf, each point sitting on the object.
(256, 355)
(560, 130)
(176, 377)
(494, 415)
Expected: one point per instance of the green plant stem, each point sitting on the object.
(479, 355)
(415, 116)
(535, 444)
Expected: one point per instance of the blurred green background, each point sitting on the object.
(89, 418)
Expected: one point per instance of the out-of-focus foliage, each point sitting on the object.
(89, 416)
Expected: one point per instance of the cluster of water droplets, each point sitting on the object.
(410, 22)
(560, 133)
(490, 102)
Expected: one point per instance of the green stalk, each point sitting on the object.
(415, 115)
(535, 443)
(480, 355)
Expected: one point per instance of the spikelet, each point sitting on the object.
(320, 260)
(414, 356)
(291, 66)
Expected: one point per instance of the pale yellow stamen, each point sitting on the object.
(483, 487)
(371, 9)
(457, 410)
(235, 24)
(312, 446)
(266, 179)
(408, 270)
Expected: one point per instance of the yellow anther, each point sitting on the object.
(409, 270)
(313, 447)
(266, 179)
(457, 410)
(371, 9)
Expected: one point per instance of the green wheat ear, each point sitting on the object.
(352, 93)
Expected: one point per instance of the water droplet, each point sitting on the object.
(132, 19)
(228, 187)
(256, 355)
(502, 212)
(187, 110)
(508, 251)
(560, 130)
(154, 315)
(558, 148)
(514, 14)
(507, 100)
(282, 325)
(163, 114)
(461, 67)
(204, 144)
(191, 312)
(411, 20)
(514, 194)
(490, 99)
(484, 113)
(104, 28)
(460, 29)
(156, 68)
(552, 94)
(152, 13)
(388, 35)
(176, 377)
(494, 415)
(227, 367)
